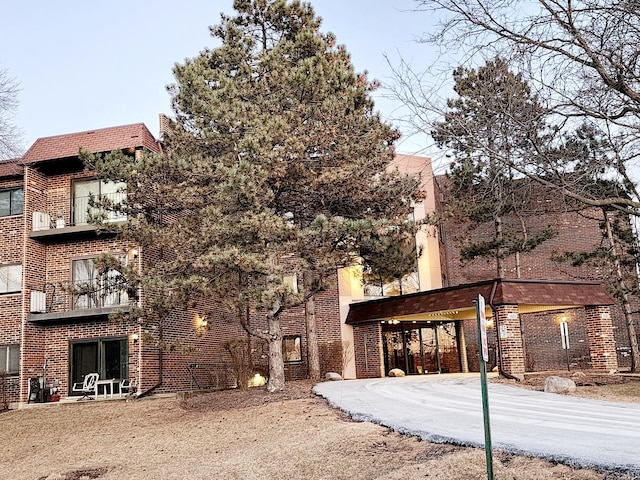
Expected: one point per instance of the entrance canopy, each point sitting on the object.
(458, 303)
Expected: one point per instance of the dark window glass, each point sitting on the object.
(11, 202)
(10, 359)
(17, 200)
(10, 278)
(5, 203)
(107, 357)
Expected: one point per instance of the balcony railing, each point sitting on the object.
(79, 299)
(101, 293)
(81, 213)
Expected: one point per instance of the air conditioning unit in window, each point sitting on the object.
(41, 221)
(38, 302)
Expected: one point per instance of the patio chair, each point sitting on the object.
(34, 390)
(87, 387)
(128, 387)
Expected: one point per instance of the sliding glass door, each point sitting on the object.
(107, 357)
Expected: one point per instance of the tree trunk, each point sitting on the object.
(624, 297)
(313, 353)
(499, 259)
(276, 362)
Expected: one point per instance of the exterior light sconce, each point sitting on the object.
(200, 321)
(133, 254)
(134, 337)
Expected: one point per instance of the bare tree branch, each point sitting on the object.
(10, 135)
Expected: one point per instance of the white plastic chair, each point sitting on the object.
(129, 387)
(88, 387)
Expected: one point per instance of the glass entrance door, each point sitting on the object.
(84, 360)
(425, 347)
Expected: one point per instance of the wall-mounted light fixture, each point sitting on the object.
(200, 321)
(133, 254)
(134, 337)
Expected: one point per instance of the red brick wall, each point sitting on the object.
(543, 344)
(601, 340)
(510, 344)
(368, 351)
(576, 231)
(11, 252)
(158, 363)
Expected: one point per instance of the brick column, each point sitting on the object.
(602, 344)
(511, 352)
(462, 348)
(368, 350)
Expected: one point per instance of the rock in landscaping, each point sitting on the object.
(555, 384)
(332, 376)
(396, 372)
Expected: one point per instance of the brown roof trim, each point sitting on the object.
(96, 141)
(497, 292)
(11, 168)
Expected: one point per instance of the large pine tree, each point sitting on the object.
(493, 121)
(275, 164)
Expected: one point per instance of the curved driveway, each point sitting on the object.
(448, 408)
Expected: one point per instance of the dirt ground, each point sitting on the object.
(247, 435)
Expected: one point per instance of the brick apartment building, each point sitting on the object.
(50, 329)
(48, 245)
(576, 229)
(543, 314)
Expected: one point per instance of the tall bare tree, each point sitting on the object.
(581, 57)
(10, 135)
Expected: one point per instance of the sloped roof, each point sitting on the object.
(457, 303)
(95, 141)
(10, 168)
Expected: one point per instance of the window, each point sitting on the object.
(10, 278)
(10, 359)
(95, 290)
(11, 202)
(291, 281)
(109, 357)
(85, 190)
(291, 348)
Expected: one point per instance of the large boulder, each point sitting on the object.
(396, 372)
(556, 384)
(332, 376)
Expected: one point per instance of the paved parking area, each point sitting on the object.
(448, 408)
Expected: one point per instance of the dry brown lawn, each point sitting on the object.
(238, 435)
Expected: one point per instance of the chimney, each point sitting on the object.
(165, 125)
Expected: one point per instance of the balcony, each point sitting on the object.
(80, 300)
(51, 227)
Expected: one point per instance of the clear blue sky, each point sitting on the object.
(83, 65)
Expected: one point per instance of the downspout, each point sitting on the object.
(499, 345)
(160, 362)
(160, 349)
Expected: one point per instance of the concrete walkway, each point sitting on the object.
(448, 408)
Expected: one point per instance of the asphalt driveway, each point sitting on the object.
(448, 408)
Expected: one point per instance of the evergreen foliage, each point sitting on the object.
(494, 116)
(275, 164)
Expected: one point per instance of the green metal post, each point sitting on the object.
(483, 382)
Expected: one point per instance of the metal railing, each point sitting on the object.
(110, 291)
(82, 212)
